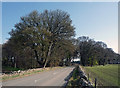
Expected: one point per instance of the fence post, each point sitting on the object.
(95, 82)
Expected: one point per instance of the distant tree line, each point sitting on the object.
(47, 39)
(95, 53)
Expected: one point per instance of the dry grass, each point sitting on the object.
(29, 72)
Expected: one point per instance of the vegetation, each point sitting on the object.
(40, 40)
(47, 40)
(95, 53)
(25, 73)
(75, 78)
(5, 68)
(106, 75)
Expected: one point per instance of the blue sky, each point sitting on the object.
(98, 20)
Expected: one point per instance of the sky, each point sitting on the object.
(98, 20)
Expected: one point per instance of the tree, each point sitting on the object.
(93, 52)
(41, 34)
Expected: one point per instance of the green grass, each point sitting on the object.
(74, 80)
(6, 68)
(106, 75)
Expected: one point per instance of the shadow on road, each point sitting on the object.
(67, 78)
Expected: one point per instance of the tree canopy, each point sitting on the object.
(94, 52)
(43, 37)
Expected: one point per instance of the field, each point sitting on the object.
(106, 75)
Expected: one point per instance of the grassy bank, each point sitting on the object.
(106, 75)
(29, 72)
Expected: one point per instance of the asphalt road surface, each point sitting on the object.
(55, 77)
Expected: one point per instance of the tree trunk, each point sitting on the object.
(15, 65)
(36, 55)
(49, 52)
(14, 62)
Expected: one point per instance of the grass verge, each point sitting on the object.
(106, 75)
(74, 80)
(6, 77)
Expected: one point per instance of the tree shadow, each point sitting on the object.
(67, 78)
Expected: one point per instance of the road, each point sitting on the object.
(55, 77)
